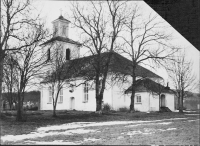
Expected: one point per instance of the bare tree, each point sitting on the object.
(10, 79)
(15, 15)
(29, 62)
(144, 41)
(100, 25)
(182, 77)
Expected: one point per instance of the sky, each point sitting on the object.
(51, 10)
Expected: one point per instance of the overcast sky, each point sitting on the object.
(51, 10)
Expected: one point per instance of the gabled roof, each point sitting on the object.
(123, 65)
(84, 67)
(62, 39)
(147, 85)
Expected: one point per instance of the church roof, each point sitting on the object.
(62, 39)
(84, 67)
(143, 85)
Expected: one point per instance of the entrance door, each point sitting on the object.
(162, 100)
(72, 103)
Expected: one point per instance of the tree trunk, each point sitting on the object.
(132, 108)
(98, 104)
(19, 108)
(97, 95)
(180, 102)
(54, 111)
(2, 55)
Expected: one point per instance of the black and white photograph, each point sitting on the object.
(110, 72)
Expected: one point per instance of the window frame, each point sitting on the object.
(64, 28)
(60, 96)
(50, 95)
(85, 92)
(67, 55)
(138, 99)
(55, 30)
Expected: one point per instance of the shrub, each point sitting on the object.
(123, 109)
(106, 107)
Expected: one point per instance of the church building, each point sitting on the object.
(116, 94)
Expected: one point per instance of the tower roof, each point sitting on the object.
(61, 18)
(62, 39)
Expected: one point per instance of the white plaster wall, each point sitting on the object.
(74, 50)
(144, 105)
(118, 98)
(170, 103)
(154, 102)
(78, 95)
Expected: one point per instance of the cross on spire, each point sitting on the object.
(60, 11)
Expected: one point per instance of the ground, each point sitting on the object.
(118, 128)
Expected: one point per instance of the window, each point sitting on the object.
(48, 55)
(67, 54)
(138, 99)
(50, 95)
(60, 98)
(85, 90)
(55, 30)
(64, 30)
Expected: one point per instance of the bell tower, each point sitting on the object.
(61, 27)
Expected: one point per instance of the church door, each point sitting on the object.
(72, 103)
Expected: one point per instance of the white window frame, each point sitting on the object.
(138, 99)
(85, 92)
(64, 28)
(60, 97)
(50, 95)
(55, 30)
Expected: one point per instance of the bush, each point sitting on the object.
(35, 108)
(106, 107)
(123, 109)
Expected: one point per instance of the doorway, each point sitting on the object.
(162, 101)
(72, 103)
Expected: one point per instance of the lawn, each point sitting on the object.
(118, 128)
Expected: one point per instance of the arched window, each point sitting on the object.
(67, 54)
(48, 55)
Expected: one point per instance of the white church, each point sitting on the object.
(117, 95)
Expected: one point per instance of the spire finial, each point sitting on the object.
(60, 11)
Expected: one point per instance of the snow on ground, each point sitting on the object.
(189, 111)
(192, 114)
(33, 135)
(55, 142)
(193, 120)
(94, 124)
(147, 131)
(90, 139)
(61, 142)
(163, 123)
(186, 111)
(73, 128)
